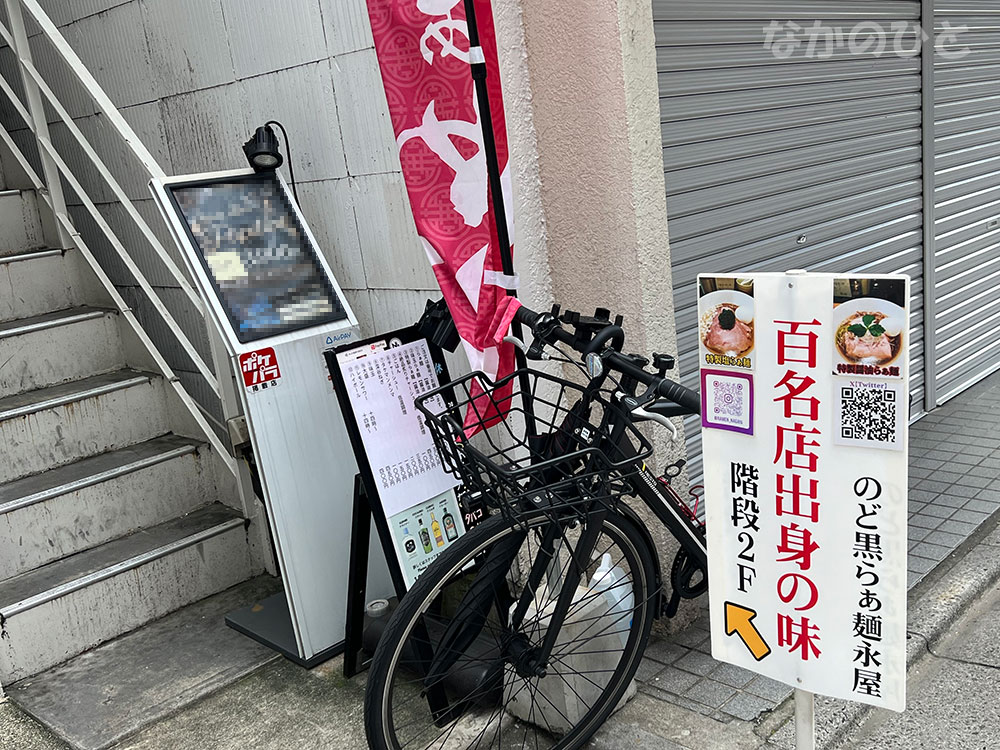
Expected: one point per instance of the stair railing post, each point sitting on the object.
(39, 122)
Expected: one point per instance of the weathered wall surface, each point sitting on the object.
(194, 78)
(592, 86)
(586, 83)
(531, 257)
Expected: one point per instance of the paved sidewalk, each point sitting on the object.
(687, 700)
(952, 705)
(949, 614)
(953, 695)
(954, 488)
(954, 474)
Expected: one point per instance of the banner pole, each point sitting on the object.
(805, 721)
(477, 63)
(479, 73)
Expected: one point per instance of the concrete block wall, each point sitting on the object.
(194, 78)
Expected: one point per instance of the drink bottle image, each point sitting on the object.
(409, 543)
(436, 528)
(449, 527)
(425, 537)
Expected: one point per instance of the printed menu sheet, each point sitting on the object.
(382, 386)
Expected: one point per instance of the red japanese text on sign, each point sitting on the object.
(797, 488)
(806, 485)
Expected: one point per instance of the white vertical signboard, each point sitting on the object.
(804, 415)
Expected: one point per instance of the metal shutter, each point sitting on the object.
(777, 164)
(967, 197)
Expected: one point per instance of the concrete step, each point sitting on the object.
(56, 347)
(20, 226)
(99, 698)
(74, 507)
(61, 609)
(57, 425)
(38, 281)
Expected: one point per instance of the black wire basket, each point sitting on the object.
(565, 464)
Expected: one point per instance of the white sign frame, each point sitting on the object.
(435, 492)
(760, 595)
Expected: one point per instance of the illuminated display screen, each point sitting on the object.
(258, 256)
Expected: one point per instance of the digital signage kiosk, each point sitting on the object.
(270, 293)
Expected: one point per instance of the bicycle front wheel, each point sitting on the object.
(457, 666)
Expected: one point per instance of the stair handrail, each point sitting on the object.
(49, 187)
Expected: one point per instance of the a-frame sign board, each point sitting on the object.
(401, 484)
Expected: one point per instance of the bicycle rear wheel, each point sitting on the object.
(454, 667)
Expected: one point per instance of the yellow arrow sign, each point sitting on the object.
(739, 620)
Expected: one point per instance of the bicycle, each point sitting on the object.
(527, 631)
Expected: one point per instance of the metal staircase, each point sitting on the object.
(108, 506)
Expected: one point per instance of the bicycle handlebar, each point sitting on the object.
(527, 317)
(547, 328)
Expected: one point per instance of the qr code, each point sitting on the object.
(868, 414)
(729, 398)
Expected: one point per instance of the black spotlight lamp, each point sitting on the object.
(263, 154)
(262, 150)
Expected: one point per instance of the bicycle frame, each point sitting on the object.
(595, 496)
(662, 501)
(650, 490)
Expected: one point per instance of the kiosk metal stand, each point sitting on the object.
(272, 297)
(357, 580)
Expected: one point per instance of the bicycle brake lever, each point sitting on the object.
(658, 418)
(529, 352)
(516, 342)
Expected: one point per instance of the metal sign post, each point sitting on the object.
(804, 416)
(805, 721)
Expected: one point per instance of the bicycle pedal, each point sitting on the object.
(670, 604)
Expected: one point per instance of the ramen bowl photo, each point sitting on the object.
(726, 323)
(868, 331)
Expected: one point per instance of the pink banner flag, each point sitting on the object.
(423, 52)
